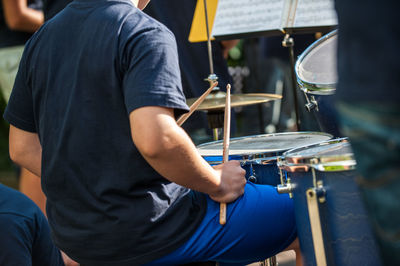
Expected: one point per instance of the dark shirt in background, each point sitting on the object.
(52, 7)
(177, 15)
(25, 234)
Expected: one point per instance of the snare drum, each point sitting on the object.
(317, 77)
(332, 224)
(258, 154)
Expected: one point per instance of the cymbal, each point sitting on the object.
(215, 101)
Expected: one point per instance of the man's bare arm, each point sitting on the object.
(170, 151)
(25, 149)
(19, 16)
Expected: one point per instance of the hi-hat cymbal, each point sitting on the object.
(216, 100)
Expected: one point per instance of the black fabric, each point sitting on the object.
(52, 7)
(177, 15)
(368, 50)
(25, 234)
(10, 37)
(80, 76)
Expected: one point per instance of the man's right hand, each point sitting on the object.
(232, 181)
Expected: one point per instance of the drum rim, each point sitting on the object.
(267, 155)
(327, 163)
(311, 87)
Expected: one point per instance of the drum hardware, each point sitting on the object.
(315, 222)
(279, 161)
(252, 177)
(286, 188)
(311, 104)
(288, 42)
(212, 77)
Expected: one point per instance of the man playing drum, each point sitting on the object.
(93, 113)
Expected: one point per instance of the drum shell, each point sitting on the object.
(264, 171)
(346, 230)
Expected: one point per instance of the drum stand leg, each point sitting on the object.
(215, 122)
(215, 134)
(289, 43)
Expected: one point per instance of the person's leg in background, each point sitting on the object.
(374, 133)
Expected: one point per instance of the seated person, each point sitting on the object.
(125, 185)
(25, 234)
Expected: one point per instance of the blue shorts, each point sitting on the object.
(259, 224)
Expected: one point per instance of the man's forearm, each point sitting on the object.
(180, 163)
(170, 151)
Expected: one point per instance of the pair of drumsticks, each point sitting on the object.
(227, 129)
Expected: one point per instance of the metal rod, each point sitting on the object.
(294, 88)
(215, 133)
(289, 43)
(208, 39)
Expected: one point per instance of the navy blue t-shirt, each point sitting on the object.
(368, 50)
(24, 232)
(80, 76)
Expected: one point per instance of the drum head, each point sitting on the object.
(331, 155)
(316, 67)
(265, 145)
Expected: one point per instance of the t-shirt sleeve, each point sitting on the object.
(15, 240)
(151, 72)
(25, 235)
(19, 110)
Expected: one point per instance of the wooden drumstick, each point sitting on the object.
(194, 106)
(225, 151)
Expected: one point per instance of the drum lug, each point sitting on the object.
(253, 179)
(320, 191)
(311, 104)
(286, 188)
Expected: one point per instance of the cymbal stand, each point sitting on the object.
(214, 118)
(288, 42)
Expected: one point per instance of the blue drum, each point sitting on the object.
(258, 154)
(317, 77)
(333, 227)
